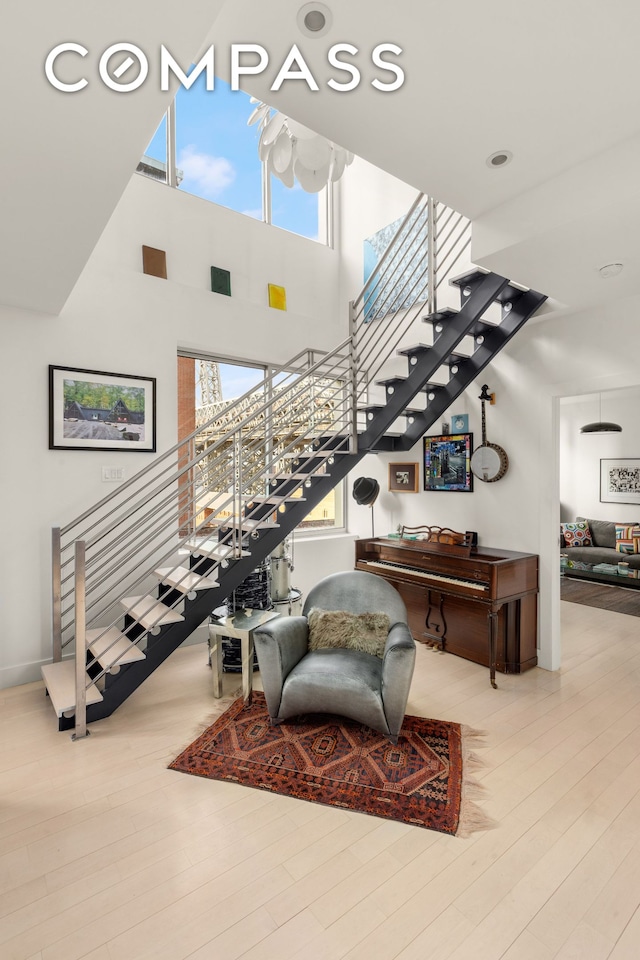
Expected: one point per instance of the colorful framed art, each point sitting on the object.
(447, 462)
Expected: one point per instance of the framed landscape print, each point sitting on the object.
(447, 462)
(620, 481)
(93, 410)
(403, 477)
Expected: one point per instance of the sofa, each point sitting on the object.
(602, 547)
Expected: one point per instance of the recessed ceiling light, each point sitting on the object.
(499, 159)
(314, 19)
(610, 270)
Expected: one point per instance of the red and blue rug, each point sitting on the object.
(425, 780)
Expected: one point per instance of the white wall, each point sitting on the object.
(580, 454)
(119, 320)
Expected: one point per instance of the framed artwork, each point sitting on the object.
(447, 462)
(93, 410)
(460, 423)
(620, 481)
(403, 477)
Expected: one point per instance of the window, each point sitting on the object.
(205, 386)
(216, 150)
(216, 158)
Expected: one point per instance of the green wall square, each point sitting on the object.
(221, 281)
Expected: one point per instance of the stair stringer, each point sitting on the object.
(524, 307)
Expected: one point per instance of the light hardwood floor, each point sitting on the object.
(107, 855)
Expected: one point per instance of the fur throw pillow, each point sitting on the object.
(366, 632)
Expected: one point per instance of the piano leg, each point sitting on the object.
(493, 637)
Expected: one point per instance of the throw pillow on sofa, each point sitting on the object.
(627, 539)
(366, 632)
(577, 534)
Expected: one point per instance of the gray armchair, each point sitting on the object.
(347, 682)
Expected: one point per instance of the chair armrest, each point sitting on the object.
(397, 672)
(280, 645)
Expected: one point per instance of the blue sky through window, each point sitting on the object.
(217, 154)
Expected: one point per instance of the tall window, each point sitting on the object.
(216, 150)
(206, 385)
(216, 158)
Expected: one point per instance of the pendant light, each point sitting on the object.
(601, 426)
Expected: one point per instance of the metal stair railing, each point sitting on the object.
(426, 247)
(149, 518)
(305, 408)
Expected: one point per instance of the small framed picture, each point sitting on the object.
(460, 423)
(94, 410)
(403, 477)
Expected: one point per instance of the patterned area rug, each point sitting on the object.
(590, 593)
(424, 780)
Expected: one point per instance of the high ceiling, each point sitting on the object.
(557, 84)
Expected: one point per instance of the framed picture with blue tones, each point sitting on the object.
(447, 462)
(460, 423)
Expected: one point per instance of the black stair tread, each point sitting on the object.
(414, 350)
(445, 314)
(478, 273)
(407, 412)
(471, 275)
(456, 357)
(390, 381)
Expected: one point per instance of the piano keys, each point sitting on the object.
(480, 603)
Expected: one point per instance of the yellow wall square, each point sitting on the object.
(277, 297)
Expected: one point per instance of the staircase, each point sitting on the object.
(141, 570)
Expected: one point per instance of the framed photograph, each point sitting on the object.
(93, 410)
(620, 481)
(447, 462)
(403, 477)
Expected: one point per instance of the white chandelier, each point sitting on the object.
(293, 152)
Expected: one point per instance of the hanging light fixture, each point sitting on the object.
(601, 426)
(293, 152)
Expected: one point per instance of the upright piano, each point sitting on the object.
(476, 602)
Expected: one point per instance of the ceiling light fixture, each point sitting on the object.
(499, 159)
(293, 152)
(601, 426)
(610, 270)
(314, 19)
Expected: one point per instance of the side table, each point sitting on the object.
(240, 625)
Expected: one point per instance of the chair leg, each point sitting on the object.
(275, 721)
(393, 740)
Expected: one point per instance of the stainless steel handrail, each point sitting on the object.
(237, 450)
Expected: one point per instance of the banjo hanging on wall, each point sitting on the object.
(489, 462)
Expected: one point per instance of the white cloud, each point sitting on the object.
(210, 174)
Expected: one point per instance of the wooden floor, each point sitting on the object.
(107, 855)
